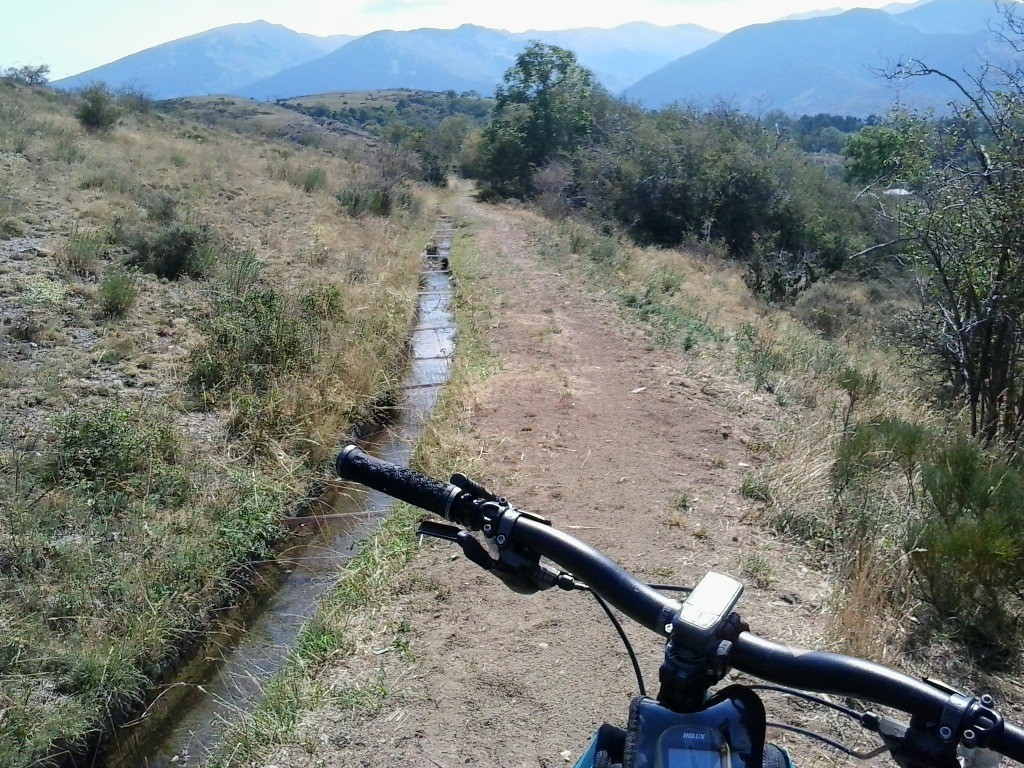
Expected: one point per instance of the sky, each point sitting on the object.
(71, 36)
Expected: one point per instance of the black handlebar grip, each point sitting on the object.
(405, 484)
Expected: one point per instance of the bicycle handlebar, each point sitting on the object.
(404, 484)
(816, 671)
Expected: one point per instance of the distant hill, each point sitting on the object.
(622, 55)
(952, 16)
(469, 58)
(217, 61)
(473, 58)
(831, 63)
(822, 62)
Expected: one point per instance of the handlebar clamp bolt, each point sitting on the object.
(500, 539)
(488, 528)
(945, 733)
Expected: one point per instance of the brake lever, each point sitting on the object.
(517, 571)
(471, 548)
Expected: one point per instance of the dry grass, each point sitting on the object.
(765, 362)
(76, 204)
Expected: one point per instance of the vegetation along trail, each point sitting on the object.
(618, 442)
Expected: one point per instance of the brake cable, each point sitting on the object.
(848, 711)
(641, 687)
(622, 635)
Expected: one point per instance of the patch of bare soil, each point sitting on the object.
(589, 425)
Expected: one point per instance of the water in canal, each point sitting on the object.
(226, 678)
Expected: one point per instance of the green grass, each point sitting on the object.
(668, 324)
(112, 550)
(313, 179)
(119, 290)
(369, 581)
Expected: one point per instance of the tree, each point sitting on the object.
(541, 111)
(885, 154)
(27, 75)
(964, 222)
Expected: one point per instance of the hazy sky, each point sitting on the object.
(72, 36)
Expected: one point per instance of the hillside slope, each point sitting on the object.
(473, 58)
(830, 64)
(189, 320)
(213, 62)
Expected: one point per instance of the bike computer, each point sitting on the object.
(706, 607)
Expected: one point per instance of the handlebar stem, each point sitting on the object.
(687, 673)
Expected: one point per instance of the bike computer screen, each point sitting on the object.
(692, 746)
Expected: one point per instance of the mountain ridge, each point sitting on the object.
(826, 62)
(833, 64)
(218, 60)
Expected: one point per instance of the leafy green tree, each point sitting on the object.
(720, 176)
(542, 110)
(886, 154)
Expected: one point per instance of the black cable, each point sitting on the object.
(849, 712)
(670, 588)
(625, 641)
(834, 744)
(852, 713)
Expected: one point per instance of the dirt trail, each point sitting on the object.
(588, 425)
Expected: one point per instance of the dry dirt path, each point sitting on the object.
(588, 425)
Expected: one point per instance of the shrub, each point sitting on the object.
(249, 522)
(114, 456)
(82, 252)
(176, 250)
(376, 199)
(887, 444)
(313, 179)
(828, 308)
(323, 302)
(28, 75)
(118, 291)
(967, 549)
(133, 98)
(160, 205)
(252, 337)
(98, 112)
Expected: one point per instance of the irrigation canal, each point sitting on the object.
(225, 679)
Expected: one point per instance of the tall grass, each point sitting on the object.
(81, 255)
(113, 550)
(134, 519)
(340, 627)
(119, 290)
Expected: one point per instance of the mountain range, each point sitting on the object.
(830, 61)
(266, 61)
(218, 61)
(834, 63)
